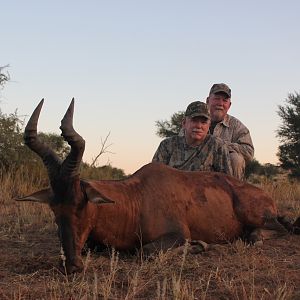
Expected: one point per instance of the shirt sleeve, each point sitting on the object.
(162, 154)
(243, 144)
(241, 141)
(222, 161)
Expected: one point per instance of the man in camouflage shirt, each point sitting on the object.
(228, 129)
(196, 150)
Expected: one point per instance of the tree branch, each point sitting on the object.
(103, 150)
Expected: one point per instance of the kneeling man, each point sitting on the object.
(196, 149)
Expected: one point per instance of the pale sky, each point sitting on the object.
(130, 63)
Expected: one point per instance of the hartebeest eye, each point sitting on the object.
(100, 200)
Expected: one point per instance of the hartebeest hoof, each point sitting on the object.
(70, 268)
(198, 247)
(192, 247)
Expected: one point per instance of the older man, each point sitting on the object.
(228, 129)
(195, 150)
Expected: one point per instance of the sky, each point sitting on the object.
(131, 63)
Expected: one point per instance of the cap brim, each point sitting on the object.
(199, 115)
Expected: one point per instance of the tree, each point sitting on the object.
(169, 128)
(269, 170)
(103, 150)
(56, 142)
(100, 173)
(289, 135)
(4, 77)
(253, 167)
(10, 139)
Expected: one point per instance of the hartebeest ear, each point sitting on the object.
(93, 195)
(42, 196)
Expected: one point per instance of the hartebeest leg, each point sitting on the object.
(176, 242)
(164, 243)
(70, 167)
(296, 226)
(293, 228)
(271, 229)
(192, 247)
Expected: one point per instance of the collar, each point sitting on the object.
(225, 121)
(189, 147)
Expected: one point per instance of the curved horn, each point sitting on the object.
(50, 158)
(71, 165)
(31, 127)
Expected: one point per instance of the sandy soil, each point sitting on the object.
(30, 253)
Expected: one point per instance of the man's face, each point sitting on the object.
(196, 129)
(219, 105)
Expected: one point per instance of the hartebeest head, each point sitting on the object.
(69, 197)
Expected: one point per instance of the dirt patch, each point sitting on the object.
(29, 260)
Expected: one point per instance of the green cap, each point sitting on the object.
(220, 87)
(197, 109)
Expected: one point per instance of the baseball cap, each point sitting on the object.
(220, 87)
(197, 109)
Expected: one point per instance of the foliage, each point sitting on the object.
(269, 170)
(252, 167)
(289, 135)
(56, 142)
(10, 139)
(4, 77)
(255, 168)
(103, 172)
(169, 128)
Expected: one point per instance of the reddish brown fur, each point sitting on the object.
(157, 201)
(157, 207)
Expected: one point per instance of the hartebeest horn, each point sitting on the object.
(31, 127)
(50, 158)
(70, 166)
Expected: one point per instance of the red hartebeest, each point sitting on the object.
(156, 207)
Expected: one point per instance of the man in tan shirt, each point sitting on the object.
(229, 129)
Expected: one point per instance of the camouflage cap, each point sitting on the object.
(220, 87)
(197, 109)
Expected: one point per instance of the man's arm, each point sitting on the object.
(222, 161)
(161, 154)
(237, 137)
(242, 143)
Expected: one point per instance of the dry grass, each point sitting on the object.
(286, 195)
(30, 252)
